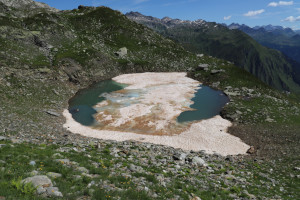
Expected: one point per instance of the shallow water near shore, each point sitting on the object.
(207, 102)
(81, 105)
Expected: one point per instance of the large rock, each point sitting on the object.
(53, 113)
(43, 186)
(82, 170)
(202, 67)
(198, 161)
(39, 181)
(180, 156)
(54, 175)
(122, 52)
(135, 168)
(3, 138)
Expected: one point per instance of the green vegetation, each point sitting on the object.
(15, 159)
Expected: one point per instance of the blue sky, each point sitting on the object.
(249, 12)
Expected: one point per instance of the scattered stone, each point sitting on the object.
(39, 181)
(232, 93)
(251, 196)
(238, 112)
(33, 173)
(53, 192)
(198, 161)
(122, 52)
(215, 84)
(195, 198)
(214, 71)
(2, 145)
(202, 67)
(53, 175)
(297, 168)
(44, 70)
(16, 141)
(181, 156)
(270, 120)
(3, 138)
(32, 163)
(251, 150)
(135, 168)
(50, 112)
(57, 155)
(55, 92)
(82, 170)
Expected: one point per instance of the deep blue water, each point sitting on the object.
(207, 104)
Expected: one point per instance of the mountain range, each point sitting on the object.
(271, 66)
(276, 37)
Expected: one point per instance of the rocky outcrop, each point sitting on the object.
(43, 185)
(27, 4)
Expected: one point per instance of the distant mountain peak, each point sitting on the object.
(166, 21)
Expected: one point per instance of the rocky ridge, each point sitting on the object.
(27, 4)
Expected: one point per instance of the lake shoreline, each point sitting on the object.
(209, 135)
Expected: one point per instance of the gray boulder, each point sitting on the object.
(135, 168)
(38, 181)
(51, 112)
(53, 192)
(122, 52)
(53, 175)
(202, 67)
(180, 156)
(199, 161)
(3, 138)
(82, 170)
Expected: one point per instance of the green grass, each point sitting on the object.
(16, 166)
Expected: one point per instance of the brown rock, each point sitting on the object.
(251, 150)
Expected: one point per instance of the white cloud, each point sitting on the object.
(254, 13)
(281, 3)
(291, 19)
(227, 17)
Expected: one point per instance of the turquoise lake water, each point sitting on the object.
(207, 102)
(81, 105)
